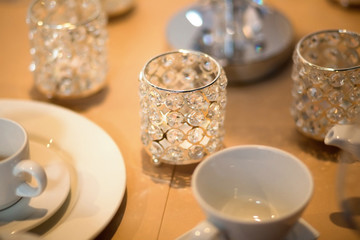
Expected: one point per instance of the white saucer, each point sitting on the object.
(30, 212)
(97, 169)
(302, 231)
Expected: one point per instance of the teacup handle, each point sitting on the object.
(203, 231)
(37, 172)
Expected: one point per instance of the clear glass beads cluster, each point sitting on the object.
(183, 99)
(326, 82)
(68, 47)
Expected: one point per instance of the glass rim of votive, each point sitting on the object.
(64, 25)
(184, 51)
(330, 69)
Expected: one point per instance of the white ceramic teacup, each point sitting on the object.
(249, 193)
(16, 170)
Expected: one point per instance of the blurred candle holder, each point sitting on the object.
(68, 47)
(249, 39)
(326, 81)
(183, 99)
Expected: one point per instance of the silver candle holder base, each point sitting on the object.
(244, 57)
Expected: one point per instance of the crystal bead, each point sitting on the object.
(155, 116)
(174, 154)
(50, 5)
(145, 139)
(168, 60)
(144, 120)
(155, 132)
(299, 104)
(143, 89)
(310, 128)
(335, 114)
(351, 41)
(299, 87)
(314, 110)
(169, 77)
(155, 97)
(324, 104)
(189, 59)
(174, 119)
(312, 56)
(314, 93)
(175, 136)
(51, 38)
(78, 34)
(188, 75)
(213, 128)
(332, 55)
(295, 74)
(315, 77)
(156, 161)
(354, 95)
(91, 27)
(223, 82)
(84, 84)
(335, 97)
(223, 101)
(174, 101)
(213, 111)
(302, 71)
(337, 80)
(207, 65)
(213, 145)
(196, 100)
(314, 41)
(353, 113)
(66, 86)
(196, 152)
(299, 122)
(32, 67)
(46, 82)
(212, 93)
(156, 149)
(195, 135)
(333, 39)
(196, 118)
(355, 77)
(351, 57)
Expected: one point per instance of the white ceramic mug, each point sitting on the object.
(249, 193)
(16, 169)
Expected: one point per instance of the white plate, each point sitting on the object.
(28, 213)
(98, 173)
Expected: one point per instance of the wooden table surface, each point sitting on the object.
(158, 203)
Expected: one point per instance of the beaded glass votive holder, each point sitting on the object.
(68, 47)
(326, 81)
(183, 99)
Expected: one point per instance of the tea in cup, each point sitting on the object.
(249, 193)
(16, 169)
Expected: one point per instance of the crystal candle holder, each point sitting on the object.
(68, 47)
(183, 99)
(326, 81)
